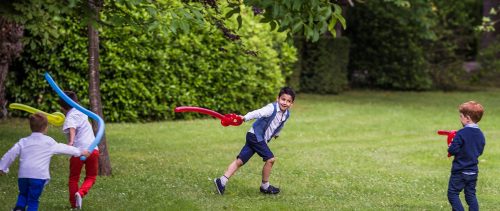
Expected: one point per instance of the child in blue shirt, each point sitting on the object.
(467, 146)
(270, 121)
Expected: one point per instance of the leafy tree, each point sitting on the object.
(489, 53)
(490, 25)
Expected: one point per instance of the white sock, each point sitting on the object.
(265, 185)
(223, 180)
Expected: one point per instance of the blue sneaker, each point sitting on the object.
(270, 190)
(218, 185)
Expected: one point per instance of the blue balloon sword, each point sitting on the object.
(100, 122)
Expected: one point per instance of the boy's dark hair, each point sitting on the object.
(72, 96)
(38, 122)
(287, 90)
(472, 109)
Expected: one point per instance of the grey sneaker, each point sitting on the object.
(78, 199)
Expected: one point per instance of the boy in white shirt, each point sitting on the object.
(270, 120)
(35, 152)
(80, 134)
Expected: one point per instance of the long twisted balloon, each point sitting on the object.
(225, 120)
(100, 122)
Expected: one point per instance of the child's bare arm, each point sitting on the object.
(71, 136)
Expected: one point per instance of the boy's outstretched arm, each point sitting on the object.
(262, 112)
(66, 149)
(9, 157)
(455, 146)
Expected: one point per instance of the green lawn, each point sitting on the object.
(360, 150)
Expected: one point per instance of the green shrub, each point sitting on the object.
(387, 46)
(447, 76)
(489, 72)
(323, 65)
(144, 76)
(455, 45)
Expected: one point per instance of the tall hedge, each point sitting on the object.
(144, 76)
(387, 45)
(456, 43)
(323, 65)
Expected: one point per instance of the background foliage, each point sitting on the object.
(322, 67)
(415, 46)
(387, 50)
(490, 65)
(456, 42)
(145, 75)
(148, 67)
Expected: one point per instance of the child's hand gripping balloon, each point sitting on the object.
(231, 119)
(450, 135)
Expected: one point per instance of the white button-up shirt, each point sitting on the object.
(267, 111)
(35, 153)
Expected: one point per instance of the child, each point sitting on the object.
(467, 146)
(270, 121)
(35, 152)
(80, 134)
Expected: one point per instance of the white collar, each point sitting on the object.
(472, 125)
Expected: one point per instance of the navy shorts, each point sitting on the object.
(252, 146)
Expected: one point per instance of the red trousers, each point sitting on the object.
(75, 168)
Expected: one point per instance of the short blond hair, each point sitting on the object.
(38, 122)
(472, 109)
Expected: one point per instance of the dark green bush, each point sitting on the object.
(144, 76)
(323, 65)
(448, 76)
(489, 72)
(455, 45)
(387, 46)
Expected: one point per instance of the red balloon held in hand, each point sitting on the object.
(225, 120)
(450, 134)
(231, 119)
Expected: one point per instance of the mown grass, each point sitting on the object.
(360, 150)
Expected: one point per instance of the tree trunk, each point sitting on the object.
(4, 69)
(10, 48)
(94, 90)
(489, 37)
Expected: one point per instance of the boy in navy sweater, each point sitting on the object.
(270, 121)
(467, 146)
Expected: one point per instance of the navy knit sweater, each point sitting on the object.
(467, 146)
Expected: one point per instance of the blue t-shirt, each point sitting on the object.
(467, 146)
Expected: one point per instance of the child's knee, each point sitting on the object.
(239, 162)
(271, 160)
